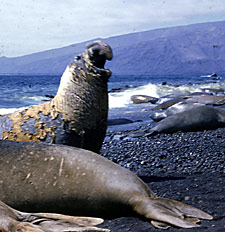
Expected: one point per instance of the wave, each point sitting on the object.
(123, 98)
(116, 99)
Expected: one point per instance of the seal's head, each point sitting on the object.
(96, 54)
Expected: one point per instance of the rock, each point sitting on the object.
(138, 99)
(118, 121)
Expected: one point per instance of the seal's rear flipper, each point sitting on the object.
(168, 211)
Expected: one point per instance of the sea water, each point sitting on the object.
(18, 91)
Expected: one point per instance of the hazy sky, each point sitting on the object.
(28, 26)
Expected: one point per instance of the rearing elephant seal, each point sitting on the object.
(62, 179)
(77, 115)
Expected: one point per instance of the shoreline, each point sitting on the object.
(187, 167)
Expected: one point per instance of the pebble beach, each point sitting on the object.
(187, 167)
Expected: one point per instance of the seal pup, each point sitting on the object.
(196, 119)
(69, 180)
(15, 221)
(77, 115)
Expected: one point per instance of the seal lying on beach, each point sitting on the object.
(206, 99)
(77, 115)
(62, 179)
(16, 221)
(174, 109)
(196, 119)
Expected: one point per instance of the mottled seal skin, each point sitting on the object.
(12, 220)
(63, 179)
(77, 115)
(196, 119)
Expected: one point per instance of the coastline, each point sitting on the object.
(187, 167)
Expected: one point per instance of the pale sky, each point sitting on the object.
(29, 26)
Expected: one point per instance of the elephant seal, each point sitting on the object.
(15, 221)
(206, 99)
(196, 119)
(212, 90)
(174, 109)
(69, 180)
(165, 105)
(77, 115)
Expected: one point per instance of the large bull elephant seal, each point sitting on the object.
(12, 220)
(77, 115)
(63, 179)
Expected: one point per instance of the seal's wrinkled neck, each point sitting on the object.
(83, 91)
(80, 81)
(81, 68)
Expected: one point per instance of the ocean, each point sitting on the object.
(18, 91)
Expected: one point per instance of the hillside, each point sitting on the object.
(192, 49)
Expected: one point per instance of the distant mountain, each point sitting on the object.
(192, 49)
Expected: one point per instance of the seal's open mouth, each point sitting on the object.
(103, 70)
(99, 65)
(99, 62)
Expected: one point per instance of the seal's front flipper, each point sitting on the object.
(168, 211)
(49, 222)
